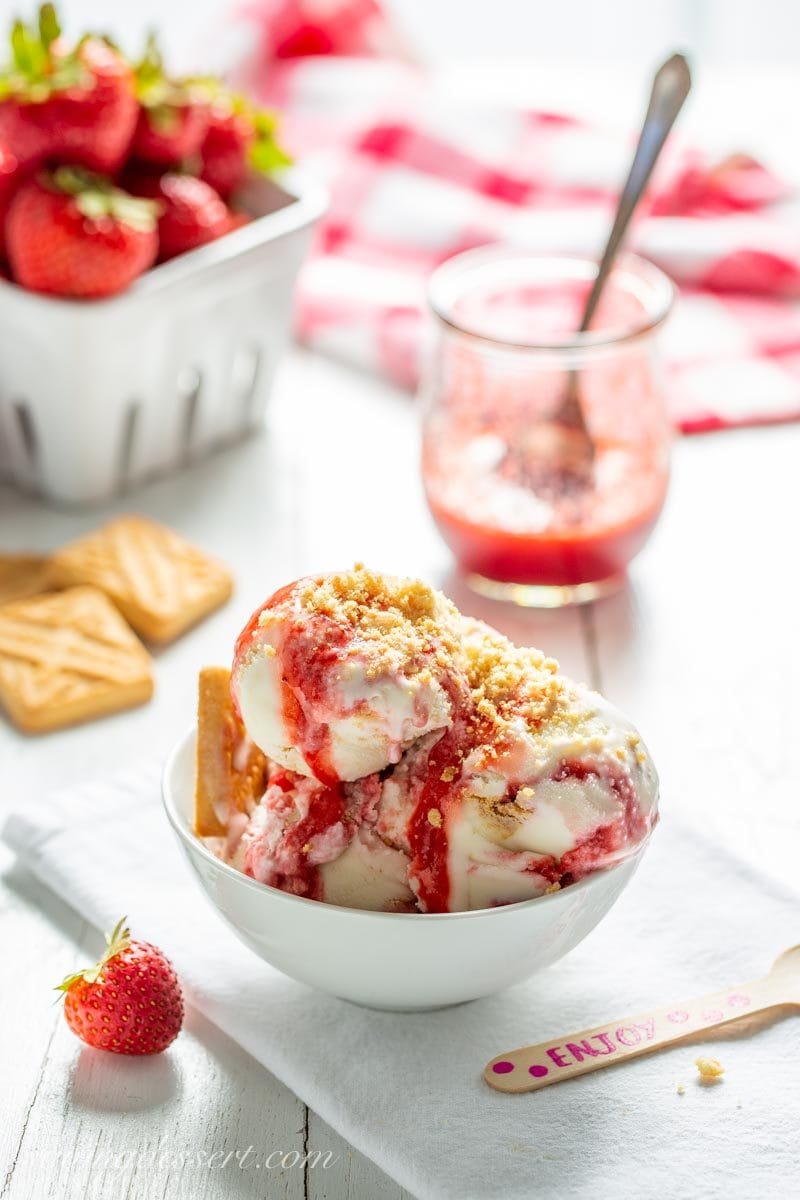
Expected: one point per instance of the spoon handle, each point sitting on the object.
(533, 1067)
(670, 88)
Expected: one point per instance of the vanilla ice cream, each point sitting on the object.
(336, 689)
(421, 762)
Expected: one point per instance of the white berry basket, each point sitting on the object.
(99, 396)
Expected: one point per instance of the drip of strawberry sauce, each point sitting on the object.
(327, 808)
(427, 825)
(308, 653)
(629, 828)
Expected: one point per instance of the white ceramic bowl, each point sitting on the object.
(400, 961)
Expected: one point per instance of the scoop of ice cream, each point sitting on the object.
(427, 762)
(552, 770)
(336, 676)
(579, 795)
(320, 842)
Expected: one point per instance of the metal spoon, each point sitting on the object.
(560, 456)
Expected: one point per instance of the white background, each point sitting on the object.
(629, 31)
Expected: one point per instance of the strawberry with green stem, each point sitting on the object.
(76, 105)
(173, 114)
(129, 1002)
(191, 212)
(240, 138)
(71, 233)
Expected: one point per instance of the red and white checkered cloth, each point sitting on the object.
(416, 178)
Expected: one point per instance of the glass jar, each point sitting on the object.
(533, 510)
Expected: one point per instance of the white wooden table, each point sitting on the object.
(703, 650)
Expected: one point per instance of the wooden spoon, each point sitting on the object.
(533, 1067)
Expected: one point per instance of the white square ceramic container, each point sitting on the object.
(97, 396)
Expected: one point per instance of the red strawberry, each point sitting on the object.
(129, 1002)
(223, 154)
(168, 133)
(192, 213)
(74, 105)
(238, 138)
(173, 116)
(9, 177)
(75, 234)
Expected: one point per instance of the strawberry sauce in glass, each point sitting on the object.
(522, 522)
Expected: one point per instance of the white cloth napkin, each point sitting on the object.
(407, 1089)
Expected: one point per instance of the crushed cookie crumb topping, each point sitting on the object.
(397, 624)
(710, 1069)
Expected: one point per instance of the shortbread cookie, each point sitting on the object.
(23, 575)
(161, 583)
(68, 657)
(231, 770)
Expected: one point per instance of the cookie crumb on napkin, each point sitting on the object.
(711, 1069)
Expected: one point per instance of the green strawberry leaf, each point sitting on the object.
(159, 93)
(265, 153)
(74, 180)
(49, 28)
(267, 156)
(97, 199)
(150, 67)
(35, 72)
(163, 118)
(135, 211)
(116, 942)
(27, 52)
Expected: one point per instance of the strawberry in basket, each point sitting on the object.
(71, 233)
(9, 177)
(174, 113)
(77, 105)
(101, 162)
(239, 138)
(190, 212)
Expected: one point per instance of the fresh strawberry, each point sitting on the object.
(70, 233)
(173, 116)
(168, 133)
(239, 138)
(192, 213)
(129, 1002)
(77, 105)
(223, 154)
(9, 177)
